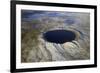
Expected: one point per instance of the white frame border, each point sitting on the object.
(51, 64)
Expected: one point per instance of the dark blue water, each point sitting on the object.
(59, 36)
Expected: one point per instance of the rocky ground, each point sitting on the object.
(35, 49)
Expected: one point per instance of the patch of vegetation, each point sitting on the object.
(32, 34)
(29, 42)
(35, 21)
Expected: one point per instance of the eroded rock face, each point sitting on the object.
(34, 48)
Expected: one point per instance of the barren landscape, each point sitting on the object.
(35, 47)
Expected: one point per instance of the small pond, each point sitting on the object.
(59, 36)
